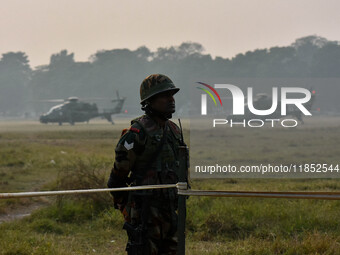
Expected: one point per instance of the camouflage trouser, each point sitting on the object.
(161, 236)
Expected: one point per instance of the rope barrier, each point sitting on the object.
(82, 191)
(182, 190)
(299, 195)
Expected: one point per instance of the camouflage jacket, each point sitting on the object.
(144, 158)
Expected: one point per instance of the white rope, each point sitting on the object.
(81, 191)
(269, 194)
(182, 190)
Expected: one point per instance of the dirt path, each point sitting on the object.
(19, 213)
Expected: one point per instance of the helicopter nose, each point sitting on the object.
(42, 119)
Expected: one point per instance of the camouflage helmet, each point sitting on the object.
(155, 84)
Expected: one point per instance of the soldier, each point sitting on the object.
(147, 154)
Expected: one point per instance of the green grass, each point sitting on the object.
(82, 158)
(239, 146)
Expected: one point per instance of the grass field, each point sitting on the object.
(40, 157)
(315, 142)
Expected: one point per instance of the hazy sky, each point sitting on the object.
(225, 28)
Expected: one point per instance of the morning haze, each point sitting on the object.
(225, 28)
(58, 49)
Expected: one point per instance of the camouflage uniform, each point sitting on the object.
(144, 157)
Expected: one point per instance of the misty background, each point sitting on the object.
(22, 87)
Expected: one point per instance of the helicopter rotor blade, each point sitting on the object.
(118, 99)
(95, 99)
(51, 100)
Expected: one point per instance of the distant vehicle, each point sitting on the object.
(264, 102)
(73, 110)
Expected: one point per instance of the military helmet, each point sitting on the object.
(155, 84)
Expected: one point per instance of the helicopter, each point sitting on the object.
(263, 101)
(74, 110)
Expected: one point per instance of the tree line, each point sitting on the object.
(21, 86)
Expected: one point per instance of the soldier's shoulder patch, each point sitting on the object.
(133, 129)
(128, 136)
(133, 134)
(128, 146)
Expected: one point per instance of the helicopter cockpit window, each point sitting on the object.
(55, 108)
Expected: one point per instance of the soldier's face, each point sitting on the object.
(164, 102)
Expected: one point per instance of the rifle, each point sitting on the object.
(137, 240)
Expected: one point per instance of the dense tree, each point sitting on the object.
(124, 69)
(15, 74)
